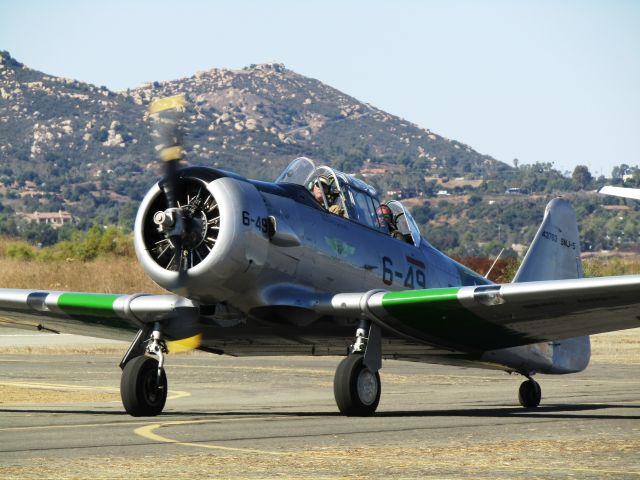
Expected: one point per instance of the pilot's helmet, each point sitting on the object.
(384, 213)
(323, 182)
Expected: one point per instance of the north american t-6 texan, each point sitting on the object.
(271, 268)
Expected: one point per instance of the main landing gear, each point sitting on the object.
(143, 385)
(356, 384)
(530, 393)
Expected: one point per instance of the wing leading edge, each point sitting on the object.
(489, 317)
(92, 314)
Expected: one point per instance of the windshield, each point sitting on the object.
(363, 208)
(301, 171)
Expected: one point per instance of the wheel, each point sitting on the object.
(141, 392)
(530, 394)
(356, 388)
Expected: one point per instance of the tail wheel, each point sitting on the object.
(143, 392)
(356, 388)
(530, 394)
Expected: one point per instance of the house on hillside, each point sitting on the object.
(55, 219)
(404, 193)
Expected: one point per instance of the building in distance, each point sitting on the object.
(55, 219)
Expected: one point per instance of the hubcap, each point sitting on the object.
(367, 386)
(152, 388)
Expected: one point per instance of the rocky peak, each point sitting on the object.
(276, 67)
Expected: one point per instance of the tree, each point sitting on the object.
(619, 171)
(582, 176)
(474, 200)
(39, 233)
(422, 213)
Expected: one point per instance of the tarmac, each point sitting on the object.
(61, 417)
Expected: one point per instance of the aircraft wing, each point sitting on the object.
(481, 318)
(93, 314)
(466, 319)
(621, 192)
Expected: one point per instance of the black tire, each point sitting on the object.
(142, 395)
(530, 394)
(356, 389)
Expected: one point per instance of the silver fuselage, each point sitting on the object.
(261, 282)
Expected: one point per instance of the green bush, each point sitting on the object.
(84, 246)
(21, 251)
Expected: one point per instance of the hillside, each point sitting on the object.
(72, 146)
(253, 120)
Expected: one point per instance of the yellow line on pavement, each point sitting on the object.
(130, 423)
(148, 432)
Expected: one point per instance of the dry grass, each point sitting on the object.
(105, 275)
(611, 265)
(29, 393)
(619, 348)
(467, 458)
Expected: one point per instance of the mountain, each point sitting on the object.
(69, 145)
(59, 132)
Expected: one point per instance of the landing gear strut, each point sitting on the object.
(530, 393)
(356, 385)
(143, 385)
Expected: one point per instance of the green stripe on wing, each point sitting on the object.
(412, 297)
(437, 315)
(94, 304)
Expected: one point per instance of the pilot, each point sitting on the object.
(387, 223)
(320, 186)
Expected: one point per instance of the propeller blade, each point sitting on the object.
(184, 344)
(167, 113)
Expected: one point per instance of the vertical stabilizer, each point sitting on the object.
(554, 253)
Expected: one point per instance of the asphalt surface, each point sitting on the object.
(60, 417)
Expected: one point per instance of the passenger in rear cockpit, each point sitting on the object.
(387, 222)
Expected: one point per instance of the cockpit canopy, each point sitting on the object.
(352, 197)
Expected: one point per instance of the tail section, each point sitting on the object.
(554, 253)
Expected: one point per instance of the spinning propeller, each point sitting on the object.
(181, 225)
(185, 226)
(167, 113)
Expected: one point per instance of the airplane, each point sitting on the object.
(267, 268)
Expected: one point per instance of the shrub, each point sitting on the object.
(21, 251)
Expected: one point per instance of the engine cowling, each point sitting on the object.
(224, 243)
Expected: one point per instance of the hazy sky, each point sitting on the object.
(548, 81)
